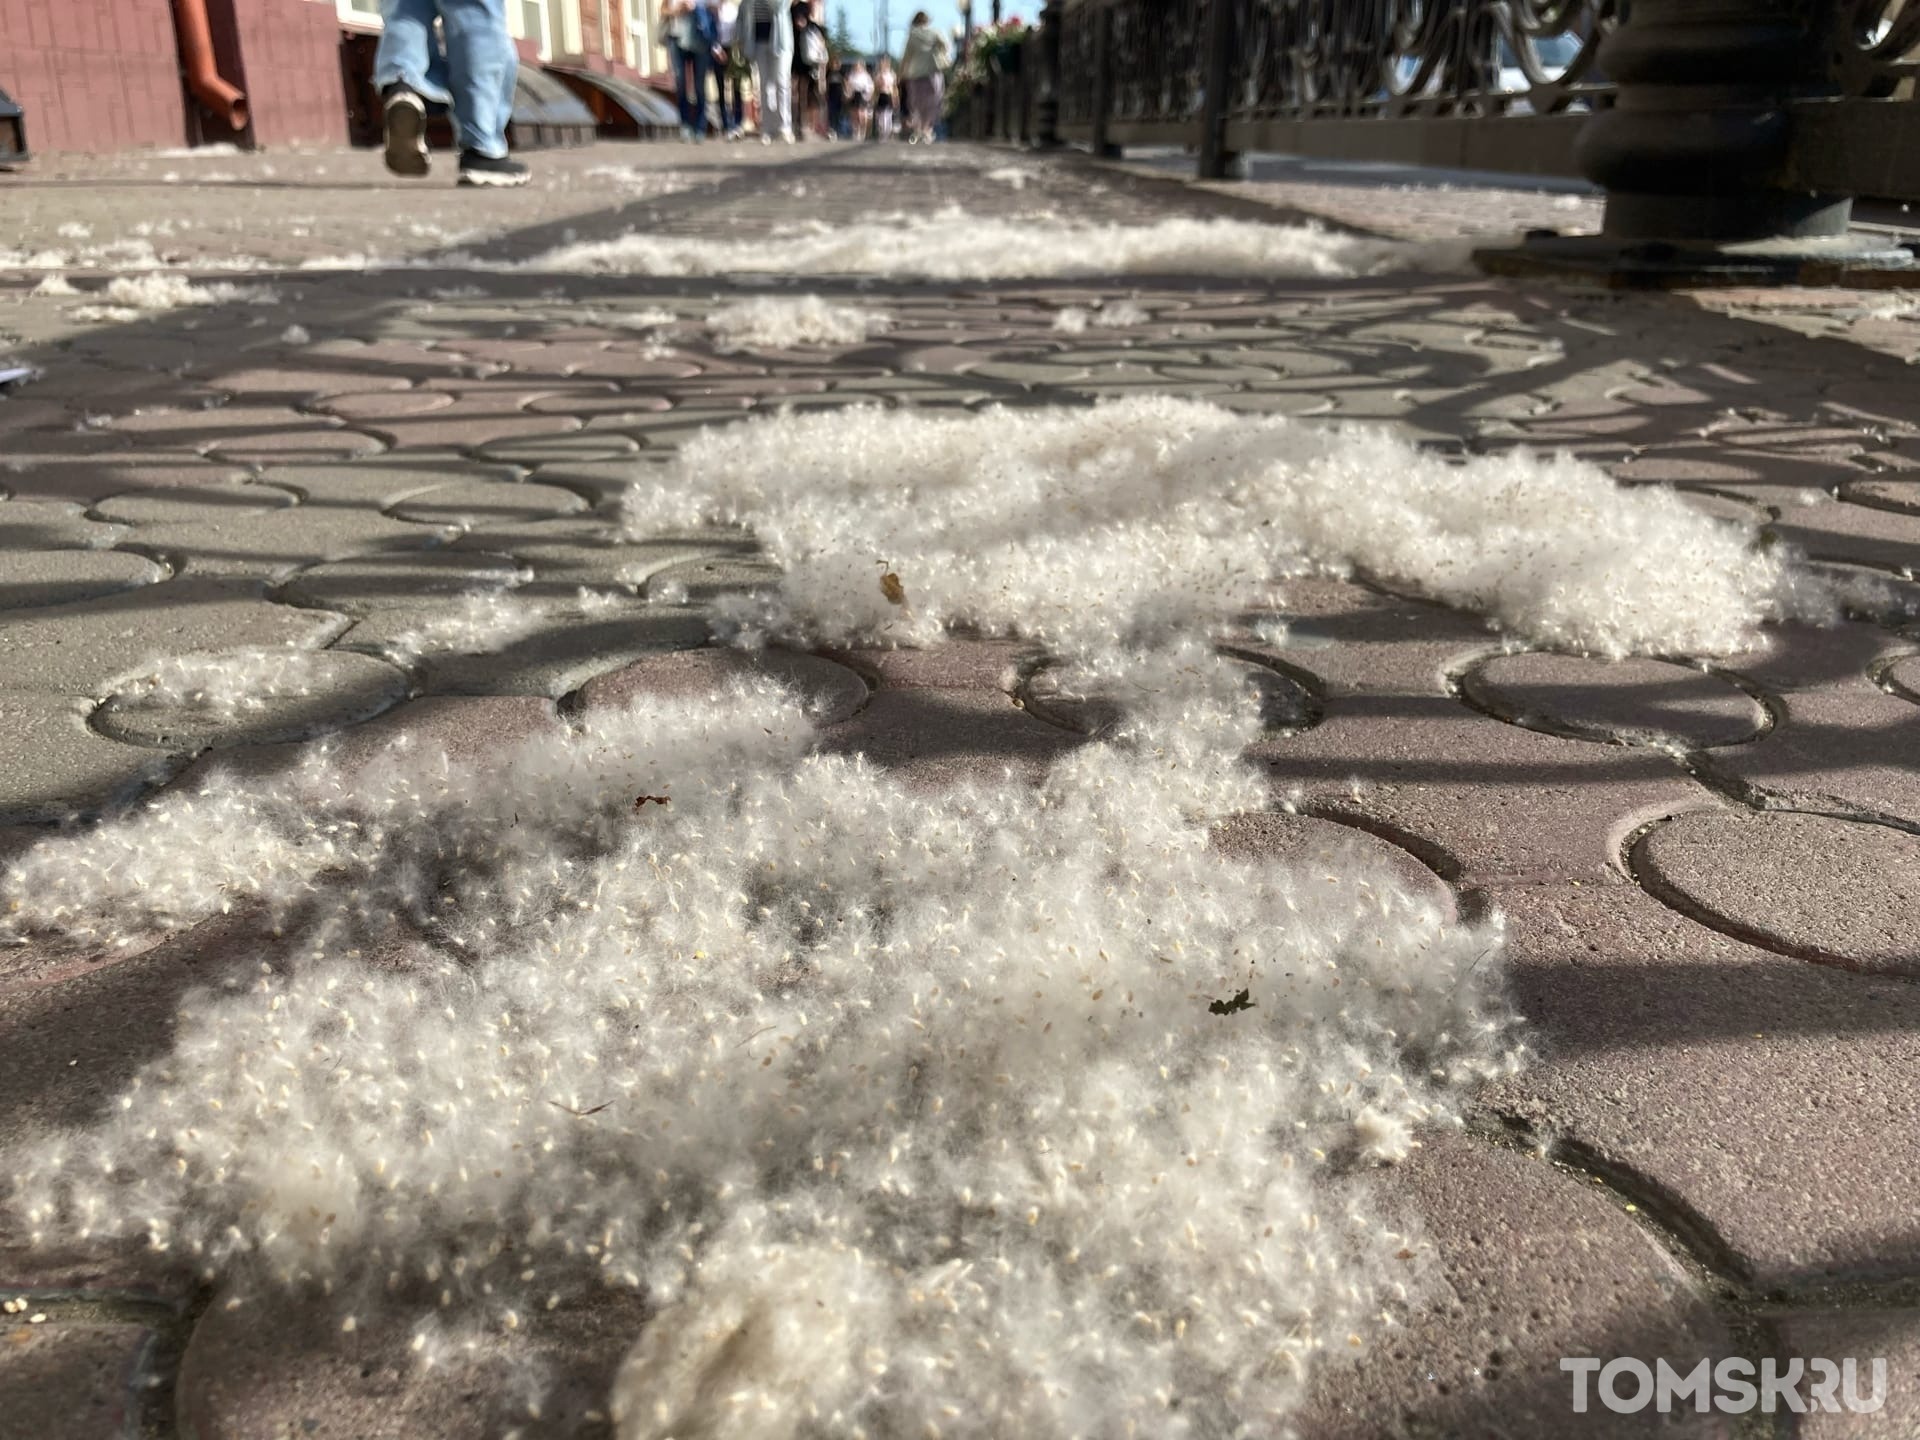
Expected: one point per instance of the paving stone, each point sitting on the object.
(194, 504)
(940, 737)
(1480, 799)
(72, 1380)
(74, 1046)
(1903, 677)
(1327, 851)
(277, 446)
(335, 688)
(84, 479)
(295, 384)
(374, 407)
(993, 666)
(1637, 701)
(474, 503)
(606, 401)
(468, 729)
(1530, 1266)
(1285, 703)
(571, 552)
(565, 652)
(1842, 742)
(80, 649)
(42, 578)
(831, 691)
(1888, 493)
(269, 545)
(375, 582)
(241, 425)
(1838, 891)
(52, 766)
(700, 581)
(52, 525)
(1763, 1106)
(1861, 1335)
(578, 445)
(1856, 534)
(259, 1372)
(380, 484)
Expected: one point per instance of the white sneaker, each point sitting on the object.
(765, 138)
(787, 135)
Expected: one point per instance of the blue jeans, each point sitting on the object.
(474, 75)
(691, 92)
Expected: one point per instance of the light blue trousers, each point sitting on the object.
(474, 74)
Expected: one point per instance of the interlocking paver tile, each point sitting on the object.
(1741, 1090)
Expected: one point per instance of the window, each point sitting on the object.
(527, 20)
(639, 35)
(572, 38)
(358, 12)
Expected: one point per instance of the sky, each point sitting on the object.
(862, 14)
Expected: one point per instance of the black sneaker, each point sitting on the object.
(478, 169)
(406, 114)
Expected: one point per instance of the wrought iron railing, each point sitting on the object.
(1814, 94)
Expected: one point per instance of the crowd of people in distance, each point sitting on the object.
(770, 61)
(773, 62)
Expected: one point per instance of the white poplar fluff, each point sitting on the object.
(781, 323)
(1100, 526)
(951, 245)
(913, 1114)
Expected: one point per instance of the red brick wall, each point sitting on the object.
(290, 58)
(93, 74)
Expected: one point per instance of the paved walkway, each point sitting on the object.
(1718, 1148)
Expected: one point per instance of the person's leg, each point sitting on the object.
(408, 71)
(682, 83)
(702, 72)
(406, 54)
(761, 57)
(481, 66)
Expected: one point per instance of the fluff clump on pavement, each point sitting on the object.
(907, 1111)
(781, 323)
(950, 245)
(1098, 527)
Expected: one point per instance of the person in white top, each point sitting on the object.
(767, 30)
(924, 63)
(886, 98)
(857, 92)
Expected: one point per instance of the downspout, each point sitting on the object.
(226, 101)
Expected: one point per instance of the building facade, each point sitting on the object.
(98, 75)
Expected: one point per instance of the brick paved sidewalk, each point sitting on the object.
(1715, 943)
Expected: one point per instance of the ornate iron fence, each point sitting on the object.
(1666, 95)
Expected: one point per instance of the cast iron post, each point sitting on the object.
(1101, 17)
(1689, 151)
(1220, 37)
(1047, 118)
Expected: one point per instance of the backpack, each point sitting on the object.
(816, 47)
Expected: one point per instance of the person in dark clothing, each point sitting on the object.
(809, 70)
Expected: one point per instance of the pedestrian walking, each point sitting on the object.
(469, 66)
(691, 33)
(769, 36)
(731, 71)
(923, 62)
(809, 71)
(857, 90)
(886, 99)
